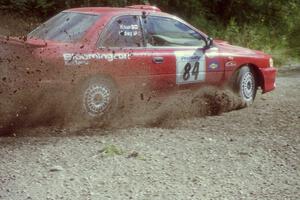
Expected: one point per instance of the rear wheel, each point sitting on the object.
(245, 85)
(96, 101)
(97, 98)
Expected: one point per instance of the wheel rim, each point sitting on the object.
(97, 99)
(248, 86)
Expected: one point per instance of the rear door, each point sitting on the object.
(122, 40)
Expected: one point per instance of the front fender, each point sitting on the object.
(269, 79)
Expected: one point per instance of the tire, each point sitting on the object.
(96, 100)
(245, 85)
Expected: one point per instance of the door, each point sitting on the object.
(178, 53)
(123, 41)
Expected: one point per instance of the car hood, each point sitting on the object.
(225, 47)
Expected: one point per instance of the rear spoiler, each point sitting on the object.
(23, 41)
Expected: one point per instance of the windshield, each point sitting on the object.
(65, 27)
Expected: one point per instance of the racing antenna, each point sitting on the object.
(145, 7)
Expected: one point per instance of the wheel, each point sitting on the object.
(96, 100)
(245, 85)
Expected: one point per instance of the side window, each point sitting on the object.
(125, 31)
(162, 31)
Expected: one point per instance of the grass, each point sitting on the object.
(111, 150)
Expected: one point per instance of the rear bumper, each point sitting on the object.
(269, 79)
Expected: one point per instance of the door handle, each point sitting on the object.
(158, 60)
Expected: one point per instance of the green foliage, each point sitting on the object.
(259, 24)
(255, 36)
(294, 39)
(41, 7)
(111, 150)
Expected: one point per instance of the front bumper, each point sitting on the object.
(269, 79)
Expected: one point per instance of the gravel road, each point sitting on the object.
(253, 153)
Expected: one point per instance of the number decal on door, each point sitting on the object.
(195, 71)
(187, 70)
(190, 67)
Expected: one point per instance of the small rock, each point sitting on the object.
(133, 155)
(194, 180)
(56, 169)
(243, 153)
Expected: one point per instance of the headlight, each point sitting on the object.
(271, 62)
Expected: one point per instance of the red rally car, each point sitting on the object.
(98, 52)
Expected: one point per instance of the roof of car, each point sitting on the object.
(129, 10)
(115, 10)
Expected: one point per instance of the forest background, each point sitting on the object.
(272, 26)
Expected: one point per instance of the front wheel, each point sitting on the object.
(245, 85)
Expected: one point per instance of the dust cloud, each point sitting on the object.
(25, 101)
(165, 111)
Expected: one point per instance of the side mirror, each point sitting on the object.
(209, 42)
(144, 15)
